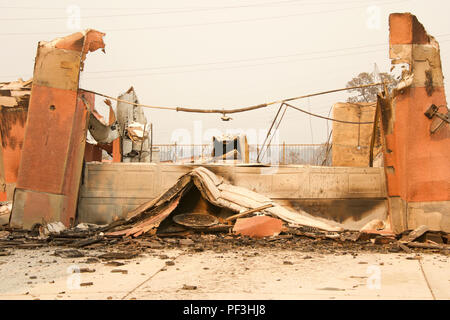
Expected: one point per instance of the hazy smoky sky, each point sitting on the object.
(220, 54)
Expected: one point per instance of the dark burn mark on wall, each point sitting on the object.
(12, 142)
(419, 33)
(429, 82)
(338, 210)
(78, 44)
(8, 118)
(387, 114)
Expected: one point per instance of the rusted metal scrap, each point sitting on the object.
(134, 129)
(100, 131)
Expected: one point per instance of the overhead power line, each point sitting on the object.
(326, 118)
(214, 22)
(230, 62)
(178, 10)
(257, 4)
(233, 67)
(235, 110)
(239, 60)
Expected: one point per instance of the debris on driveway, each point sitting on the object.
(4, 253)
(5, 212)
(122, 271)
(54, 227)
(114, 263)
(86, 284)
(189, 287)
(69, 253)
(226, 216)
(118, 255)
(167, 212)
(416, 233)
(258, 226)
(4, 235)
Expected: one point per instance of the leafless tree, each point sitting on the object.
(368, 94)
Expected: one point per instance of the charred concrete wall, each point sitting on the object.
(416, 160)
(352, 196)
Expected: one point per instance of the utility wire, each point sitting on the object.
(219, 62)
(273, 135)
(244, 109)
(175, 11)
(257, 4)
(228, 67)
(231, 61)
(326, 118)
(218, 22)
(231, 67)
(310, 122)
(240, 60)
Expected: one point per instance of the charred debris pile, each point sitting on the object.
(201, 212)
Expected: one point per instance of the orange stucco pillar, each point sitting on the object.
(417, 161)
(53, 148)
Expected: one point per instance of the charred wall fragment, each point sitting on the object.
(14, 100)
(416, 158)
(48, 182)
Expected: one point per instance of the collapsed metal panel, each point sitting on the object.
(129, 118)
(53, 148)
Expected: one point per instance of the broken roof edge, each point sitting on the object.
(88, 40)
(16, 84)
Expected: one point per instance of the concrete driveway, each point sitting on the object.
(247, 273)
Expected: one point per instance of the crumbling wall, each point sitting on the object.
(53, 148)
(14, 99)
(416, 160)
(351, 196)
(351, 142)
